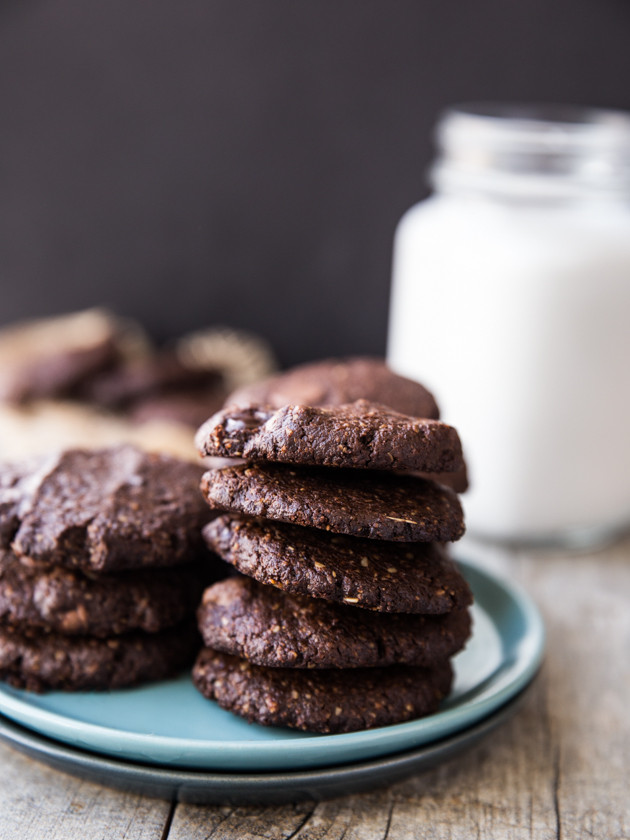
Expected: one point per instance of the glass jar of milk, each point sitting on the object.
(511, 301)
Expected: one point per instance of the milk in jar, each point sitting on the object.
(511, 302)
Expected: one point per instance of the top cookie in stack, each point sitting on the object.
(101, 568)
(354, 609)
(334, 382)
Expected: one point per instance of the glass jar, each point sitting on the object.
(511, 301)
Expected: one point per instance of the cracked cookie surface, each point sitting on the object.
(359, 435)
(103, 510)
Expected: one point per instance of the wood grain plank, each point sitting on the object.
(37, 803)
(586, 603)
(198, 822)
(502, 789)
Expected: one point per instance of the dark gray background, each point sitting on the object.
(245, 161)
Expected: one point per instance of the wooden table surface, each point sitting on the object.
(560, 768)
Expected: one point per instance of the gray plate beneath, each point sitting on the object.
(239, 788)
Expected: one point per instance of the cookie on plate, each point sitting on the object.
(359, 435)
(326, 700)
(82, 663)
(279, 630)
(354, 502)
(37, 599)
(383, 576)
(103, 510)
(339, 381)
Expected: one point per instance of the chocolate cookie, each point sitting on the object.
(359, 435)
(376, 575)
(186, 409)
(116, 508)
(355, 502)
(457, 481)
(321, 700)
(82, 663)
(339, 381)
(161, 373)
(70, 602)
(160, 387)
(279, 630)
(14, 489)
(50, 357)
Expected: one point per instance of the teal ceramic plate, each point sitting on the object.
(170, 724)
(207, 787)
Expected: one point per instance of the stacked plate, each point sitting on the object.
(167, 740)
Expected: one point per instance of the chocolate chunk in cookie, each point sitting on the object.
(108, 509)
(355, 502)
(58, 600)
(82, 663)
(376, 575)
(321, 700)
(279, 630)
(339, 381)
(360, 435)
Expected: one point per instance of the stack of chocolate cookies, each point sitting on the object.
(101, 568)
(347, 609)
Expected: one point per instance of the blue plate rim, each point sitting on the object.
(212, 787)
(323, 749)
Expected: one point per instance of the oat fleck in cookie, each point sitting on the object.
(361, 435)
(117, 508)
(321, 700)
(82, 663)
(376, 575)
(355, 502)
(53, 599)
(279, 630)
(339, 381)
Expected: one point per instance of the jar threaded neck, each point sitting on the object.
(533, 150)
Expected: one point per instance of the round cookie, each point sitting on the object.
(339, 381)
(65, 601)
(383, 576)
(279, 630)
(160, 387)
(83, 663)
(321, 700)
(50, 357)
(359, 435)
(355, 502)
(186, 409)
(159, 374)
(116, 508)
